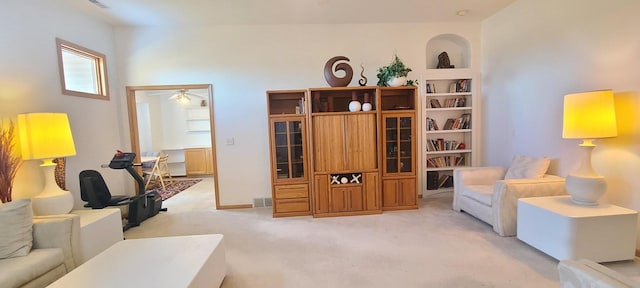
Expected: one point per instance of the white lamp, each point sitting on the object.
(587, 116)
(47, 136)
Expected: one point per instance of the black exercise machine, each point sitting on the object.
(95, 192)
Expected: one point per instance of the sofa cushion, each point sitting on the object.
(523, 167)
(480, 193)
(18, 271)
(16, 228)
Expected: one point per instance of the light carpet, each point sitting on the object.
(430, 247)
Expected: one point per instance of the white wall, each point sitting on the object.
(29, 82)
(535, 52)
(242, 62)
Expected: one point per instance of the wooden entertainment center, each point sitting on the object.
(328, 161)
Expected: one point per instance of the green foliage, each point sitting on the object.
(412, 83)
(395, 69)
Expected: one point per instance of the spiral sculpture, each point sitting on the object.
(363, 80)
(331, 78)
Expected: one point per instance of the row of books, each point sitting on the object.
(445, 161)
(448, 103)
(461, 85)
(442, 145)
(462, 122)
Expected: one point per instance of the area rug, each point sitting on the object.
(173, 188)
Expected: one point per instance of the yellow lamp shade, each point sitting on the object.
(45, 136)
(589, 115)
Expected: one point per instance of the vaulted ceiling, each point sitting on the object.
(171, 13)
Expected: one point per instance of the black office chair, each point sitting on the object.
(95, 192)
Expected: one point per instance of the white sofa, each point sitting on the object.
(585, 273)
(54, 252)
(485, 193)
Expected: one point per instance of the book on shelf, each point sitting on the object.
(431, 124)
(448, 125)
(435, 103)
(430, 88)
(301, 105)
(445, 181)
(463, 85)
(455, 102)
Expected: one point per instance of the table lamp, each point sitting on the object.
(46, 136)
(587, 116)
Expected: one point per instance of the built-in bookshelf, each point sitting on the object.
(448, 113)
(448, 99)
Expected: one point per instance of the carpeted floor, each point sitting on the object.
(430, 247)
(173, 188)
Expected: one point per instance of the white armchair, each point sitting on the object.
(485, 193)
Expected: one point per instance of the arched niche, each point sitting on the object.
(456, 46)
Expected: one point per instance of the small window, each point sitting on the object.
(83, 72)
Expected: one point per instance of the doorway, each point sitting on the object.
(191, 112)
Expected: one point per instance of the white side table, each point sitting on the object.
(99, 229)
(564, 230)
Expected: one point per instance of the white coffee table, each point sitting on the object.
(172, 262)
(564, 230)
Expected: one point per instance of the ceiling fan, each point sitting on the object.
(184, 96)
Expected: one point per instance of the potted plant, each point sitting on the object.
(9, 162)
(394, 74)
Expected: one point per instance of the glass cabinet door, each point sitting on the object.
(289, 148)
(398, 144)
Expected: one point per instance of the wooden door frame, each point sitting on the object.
(135, 141)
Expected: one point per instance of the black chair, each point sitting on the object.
(95, 192)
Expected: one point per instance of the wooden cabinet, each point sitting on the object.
(198, 161)
(360, 162)
(399, 180)
(399, 194)
(291, 200)
(347, 198)
(288, 142)
(335, 198)
(344, 142)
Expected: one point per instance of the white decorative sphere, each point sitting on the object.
(354, 106)
(344, 180)
(366, 107)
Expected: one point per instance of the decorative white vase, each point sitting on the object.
(367, 105)
(397, 81)
(354, 106)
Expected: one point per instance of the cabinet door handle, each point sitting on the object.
(293, 200)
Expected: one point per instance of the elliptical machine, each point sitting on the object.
(94, 190)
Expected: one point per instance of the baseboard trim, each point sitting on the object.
(241, 206)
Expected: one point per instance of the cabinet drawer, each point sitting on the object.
(292, 205)
(292, 191)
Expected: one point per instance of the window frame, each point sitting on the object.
(100, 61)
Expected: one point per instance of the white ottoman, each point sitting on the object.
(564, 230)
(181, 261)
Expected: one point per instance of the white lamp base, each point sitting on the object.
(585, 190)
(585, 185)
(52, 200)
